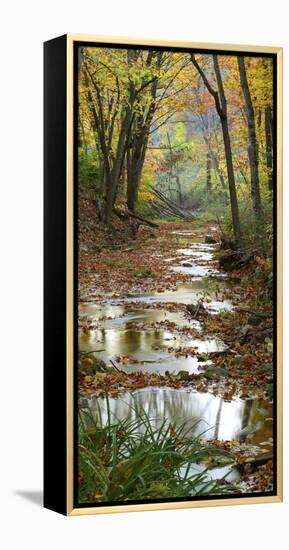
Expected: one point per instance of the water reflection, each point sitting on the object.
(232, 474)
(145, 349)
(117, 316)
(185, 293)
(117, 332)
(199, 253)
(148, 351)
(205, 414)
(194, 270)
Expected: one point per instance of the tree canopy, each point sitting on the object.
(169, 133)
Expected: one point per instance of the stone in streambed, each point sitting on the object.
(213, 372)
(210, 240)
(94, 366)
(183, 375)
(197, 310)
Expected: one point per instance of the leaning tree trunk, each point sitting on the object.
(221, 108)
(113, 163)
(140, 137)
(231, 180)
(113, 178)
(269, 148)
(221, 105)
(253, 152)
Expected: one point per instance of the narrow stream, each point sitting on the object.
(144, 339)
(147, 339)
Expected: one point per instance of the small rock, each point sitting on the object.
(183, 375)
(212, 372)
(95, 365)
(197, 310)
(210, 240)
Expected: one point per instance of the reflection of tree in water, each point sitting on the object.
(178, 407)
(246, 413)
(245, 420)
(129, 341)
(217, 425)
(204, 414)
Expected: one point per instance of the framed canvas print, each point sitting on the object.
(163, 199)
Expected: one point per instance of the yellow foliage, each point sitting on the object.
(146, 196)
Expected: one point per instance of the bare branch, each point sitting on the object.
(210, 89)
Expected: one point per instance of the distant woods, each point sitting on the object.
(171, 134)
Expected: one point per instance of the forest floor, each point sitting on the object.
(157, 311)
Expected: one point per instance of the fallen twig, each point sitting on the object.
(92, 351)
(256, 313)
(114, 365)
(123, 214)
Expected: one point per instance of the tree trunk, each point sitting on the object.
(221, 108)
(113, 164)
(216, 165)
(208, 174)
(179, 187)
(81, 137)
(135, 162)
(269, 152)
(215, 160)
(231, 180)
(140, 136)
(113, 177)
(252, 140)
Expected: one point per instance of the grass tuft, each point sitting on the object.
(132, 459)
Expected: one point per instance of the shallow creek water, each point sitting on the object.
(123, 335)
(146, 337)
(204, 414)
(146, 340)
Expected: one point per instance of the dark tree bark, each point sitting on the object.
(139, 138)
(253, 152)
(112, 164)
(81, 136)
(269, 148)
(221, 107)
(115, 174)
(135, 162)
